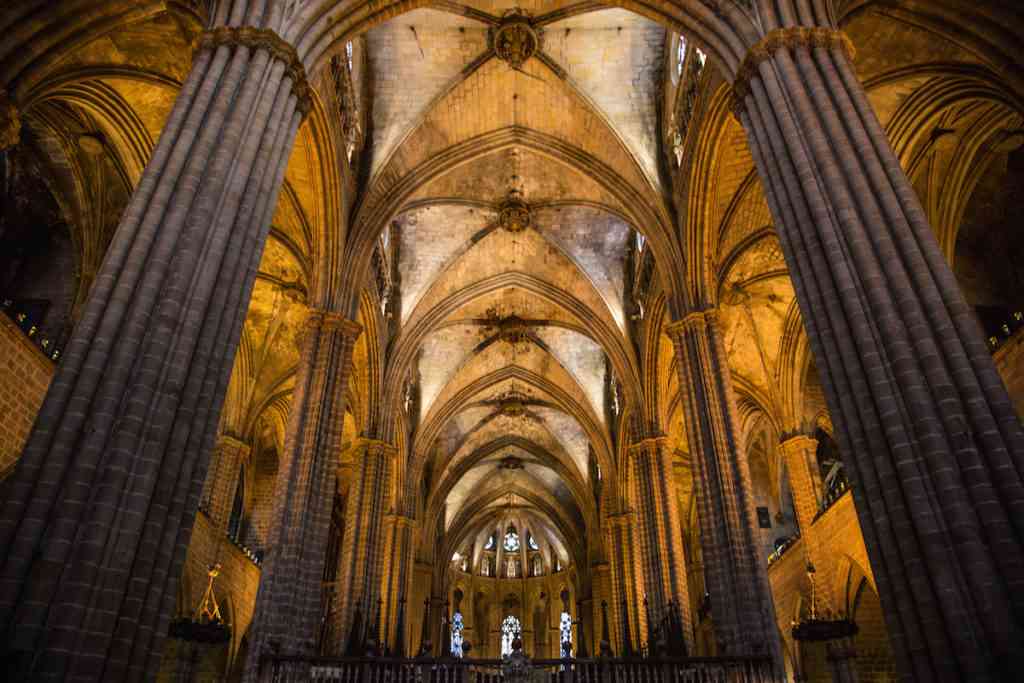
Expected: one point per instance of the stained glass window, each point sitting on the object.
(538, 566)
(490, 543)
(680, 56)
(510, 630)
(565, 629)
(511, 540)
(457, 634)
(348, 54)
(531, 543)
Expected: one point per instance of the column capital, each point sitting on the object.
(648, 444)
(690, 321)
(798, 443)
(376, 447)
(399, 521)
(320, 319)
(228, 441)
(10, 122)
(263, 39)
(617, 520)
(784, 38)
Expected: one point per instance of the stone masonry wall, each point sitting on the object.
(1010, 363)
(25, 375)
(838, 532)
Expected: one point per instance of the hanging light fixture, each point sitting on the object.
(206, 625)
(819, 628)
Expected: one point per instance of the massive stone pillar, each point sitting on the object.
(734, 570)
(288, 605)
(661, 541)
(397, 582)
(362, 557)
(98, 513)
(222, 479)
(931, 443)
(626, 601)
(800, 455)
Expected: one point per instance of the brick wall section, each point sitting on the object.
(25, 375)
(1010, 363)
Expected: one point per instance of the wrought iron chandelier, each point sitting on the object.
(819, 628)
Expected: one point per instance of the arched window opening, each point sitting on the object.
(235, 520)
(531, 543)
(512, 568)
(680, 56)
(538, 565)
(490, 543)
(457, 635)
(510, 630)
(833, 478)
(565, 629)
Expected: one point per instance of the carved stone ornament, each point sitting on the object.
(10, 123)
(515, 215)
(515, 40)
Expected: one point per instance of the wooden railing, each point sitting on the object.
(281, 669)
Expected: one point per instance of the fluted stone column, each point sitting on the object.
(288, 609)
(661, 533)
(800, 455)
(620, 533)
(362, 557)
(398, 562)
(735, 572)
(98, 513)
(222, 479)
(931, 443)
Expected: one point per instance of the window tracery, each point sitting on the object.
(457, 635)
(565, 630)
(511, 543)
(510, 630)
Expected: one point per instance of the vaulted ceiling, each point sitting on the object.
(512, 258)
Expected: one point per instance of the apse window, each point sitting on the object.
(531, 543)
(511, 540)
(490, 543)
(565, 629)
(510, 630)
(457, 635)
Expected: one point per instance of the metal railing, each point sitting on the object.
(284, 669)
(832, 496)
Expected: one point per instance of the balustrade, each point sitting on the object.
(391, 670)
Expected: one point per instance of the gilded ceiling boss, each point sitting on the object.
(512, 341)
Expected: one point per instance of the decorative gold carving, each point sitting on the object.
(10, 123)
(783, 38)
(264, 39)
(515, 40)
(515, 215)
